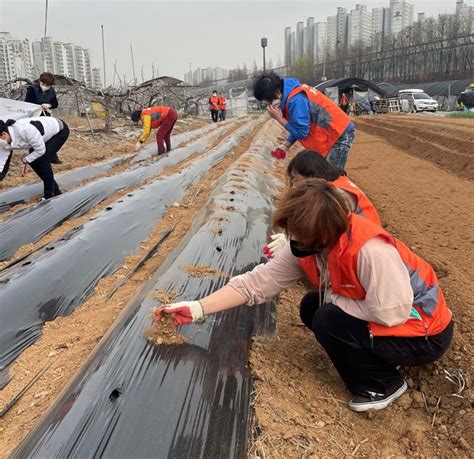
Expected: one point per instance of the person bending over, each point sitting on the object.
(308, 115)
(43, 137)
(161, 118)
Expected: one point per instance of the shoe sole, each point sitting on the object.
(361, 407)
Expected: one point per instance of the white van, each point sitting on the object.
(423, 102)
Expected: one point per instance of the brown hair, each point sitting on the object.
(314, 213)
(47, 78)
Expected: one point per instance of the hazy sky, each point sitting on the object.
(176, 34)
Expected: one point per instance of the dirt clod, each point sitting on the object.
(204, 271)
(163, 331)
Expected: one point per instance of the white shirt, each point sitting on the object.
(25, 135)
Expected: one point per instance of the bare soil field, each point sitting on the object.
(300, 401)
(447, 143)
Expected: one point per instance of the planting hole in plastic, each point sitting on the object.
(115, 394)
(218, 249)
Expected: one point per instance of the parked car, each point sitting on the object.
(423, 102)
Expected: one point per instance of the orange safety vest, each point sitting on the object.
(222, 103)
(364, 208)
(328, 121)
(213, 103)
(158, 114)
(430, 314)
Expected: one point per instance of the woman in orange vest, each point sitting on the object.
(308, 115)
(377, 306)
(161, 118)
(214, 106)
(306, 164)
(222, 107)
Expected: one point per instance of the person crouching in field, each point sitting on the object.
(376, 304)
(308, 164)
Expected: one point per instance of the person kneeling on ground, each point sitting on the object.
(377, 305)
(44, 137)
(161, 118)
(308, 115)
(306, 164)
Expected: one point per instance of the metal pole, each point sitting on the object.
(46, 19)
(103, 56)
(263, 43)
(323, 78)
(133, 66)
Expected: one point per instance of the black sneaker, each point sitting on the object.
(56, 161)
(375, 401)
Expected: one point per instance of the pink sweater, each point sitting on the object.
(389, 296)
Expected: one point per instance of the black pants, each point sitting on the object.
(42, 165)
(367, 364)
(6, 168)
(215, 115)
(222, 114)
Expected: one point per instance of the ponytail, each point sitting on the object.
(4, 125)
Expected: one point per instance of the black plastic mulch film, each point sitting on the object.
(133, 399)
(70, 179)
(62, 275)
(29, 225)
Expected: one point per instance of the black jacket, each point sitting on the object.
(36, 95)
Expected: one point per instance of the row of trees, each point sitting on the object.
(433, 49)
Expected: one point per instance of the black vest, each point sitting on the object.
(43, 97)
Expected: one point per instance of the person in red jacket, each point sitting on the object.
(308, 115)
(344, 103)
(222, 107)
(161, 118)
(377, 305)
(307, 164)
(214, 106)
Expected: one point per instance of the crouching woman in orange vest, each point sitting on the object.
(161, 118)
(308, 115)
(377, 305)
(307, 164)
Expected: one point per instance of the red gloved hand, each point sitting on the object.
(184, 312)
(279, 153)
(267, 252)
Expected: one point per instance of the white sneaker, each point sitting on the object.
(376, 401)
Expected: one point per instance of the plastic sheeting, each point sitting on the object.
(132, 399)
(29, 225)
(64, 274)
(24, 193)
(71, 179)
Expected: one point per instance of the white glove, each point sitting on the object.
(278, 242)
(184, 312)
(138, 146)
(45, 106)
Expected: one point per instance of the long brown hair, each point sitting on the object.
(314, 213)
